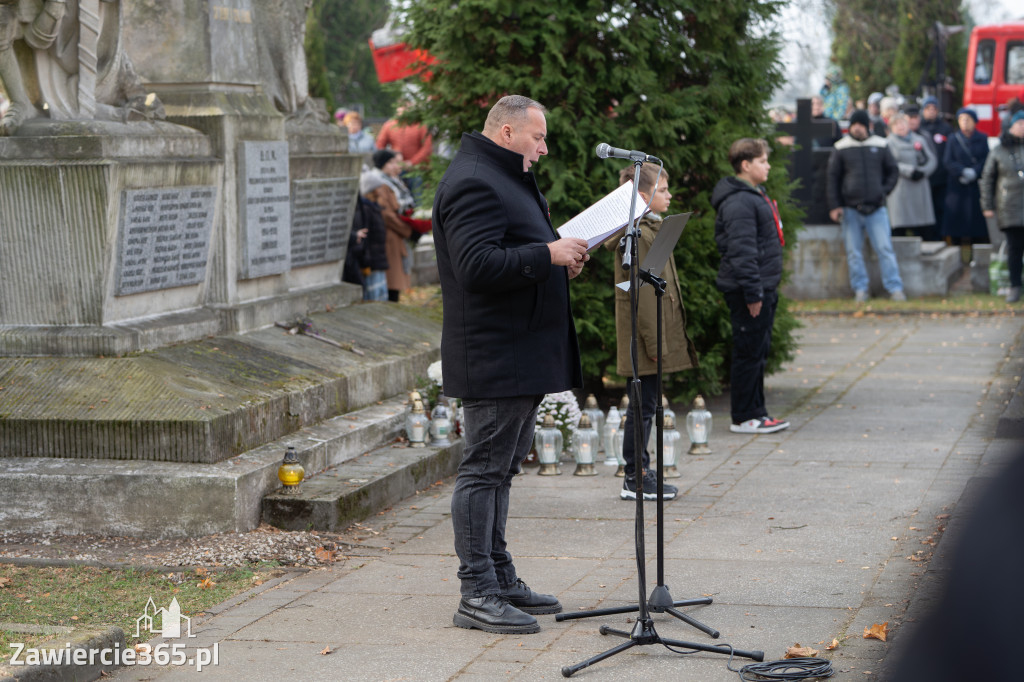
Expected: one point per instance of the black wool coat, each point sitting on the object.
(508, 329)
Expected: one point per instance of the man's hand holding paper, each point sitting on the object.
(598, 222)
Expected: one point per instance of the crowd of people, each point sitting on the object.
(384, 229)
(902, 169)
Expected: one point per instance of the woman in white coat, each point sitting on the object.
(910, 203)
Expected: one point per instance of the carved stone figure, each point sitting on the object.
(281, 31)
(65, 58)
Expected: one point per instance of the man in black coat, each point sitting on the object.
(508, 338)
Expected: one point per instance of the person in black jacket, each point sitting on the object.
(861, 174)
(935, 128)
(748, 232)
(507, 338)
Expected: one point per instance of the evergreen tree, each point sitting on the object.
(880, 42)
(918, 41)
(681, 80)
(350, 74)
(315, 64)
(865, 37)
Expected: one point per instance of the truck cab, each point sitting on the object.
(995, 73)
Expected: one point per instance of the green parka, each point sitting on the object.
(678, 349)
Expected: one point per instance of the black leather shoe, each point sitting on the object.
(493, 613)
(525, 599)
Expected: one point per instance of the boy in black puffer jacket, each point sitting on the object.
(748, 231)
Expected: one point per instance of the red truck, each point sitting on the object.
(995, 72)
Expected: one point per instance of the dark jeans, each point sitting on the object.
(1014, 253)
(648, 406)
(499, 434)
(751, 341)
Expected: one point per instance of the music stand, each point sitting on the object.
(643, 632)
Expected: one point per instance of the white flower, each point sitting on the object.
(434, 373)
(563, 408)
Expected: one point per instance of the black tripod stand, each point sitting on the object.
(661, 601)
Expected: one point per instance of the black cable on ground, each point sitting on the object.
(785, 669)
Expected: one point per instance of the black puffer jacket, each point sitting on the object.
(747, 238)
(1002, 182)
(861, 174)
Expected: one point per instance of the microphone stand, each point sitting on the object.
(643, 632)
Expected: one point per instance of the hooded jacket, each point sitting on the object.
(1002, 182)
(747, 238)
(861, 174)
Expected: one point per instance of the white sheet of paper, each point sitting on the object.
(609, 214)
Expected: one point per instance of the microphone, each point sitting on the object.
(605, 151)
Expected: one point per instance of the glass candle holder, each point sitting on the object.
(585, 442)
(548, 443)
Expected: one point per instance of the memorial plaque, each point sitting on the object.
(163, 238)
(264, 209)
(321, 219)
(233, 56)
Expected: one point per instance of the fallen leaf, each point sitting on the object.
(797, 651)
(326, 651)
(324, 555)
(877, 631)
(4, 582)
(206, 584)
(141, 647)
(833, 644)
(202, 571)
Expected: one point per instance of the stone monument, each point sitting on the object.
(191, 189)
(169, 191)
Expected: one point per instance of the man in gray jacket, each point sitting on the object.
(861, 173)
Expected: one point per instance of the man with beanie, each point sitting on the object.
(861, 174)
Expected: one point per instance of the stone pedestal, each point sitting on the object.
(103, 223)
(818, 269)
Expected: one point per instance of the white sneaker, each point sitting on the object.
(898, 295)
(762, 425)
(860, 296)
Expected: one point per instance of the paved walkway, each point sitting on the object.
(800, 536)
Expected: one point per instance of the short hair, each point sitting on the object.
(898, 117)
(509, 109)
(352, 116)
(648, 177)
(746, 149)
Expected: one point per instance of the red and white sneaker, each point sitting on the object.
(762, 425)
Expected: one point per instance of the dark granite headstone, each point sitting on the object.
(265, 209)
(163, 238)
(321, 219)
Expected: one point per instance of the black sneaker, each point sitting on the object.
(650, 488)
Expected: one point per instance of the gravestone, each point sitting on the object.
(810, 162)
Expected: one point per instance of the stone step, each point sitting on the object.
(175, 499)
(351, 491)
(210, 400)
